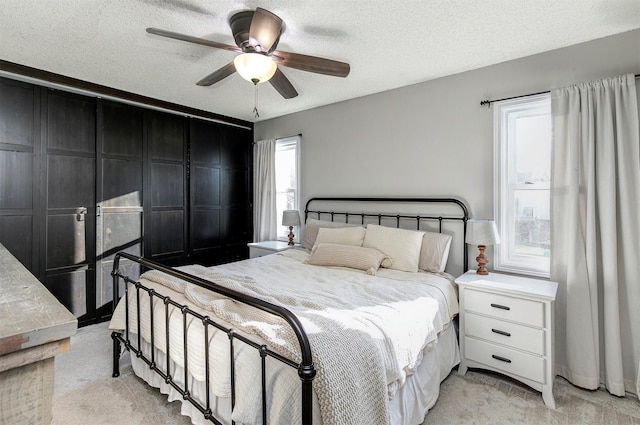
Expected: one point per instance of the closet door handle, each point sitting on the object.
(498, 331)
(501, 307)
(80, 213)
(502, 359)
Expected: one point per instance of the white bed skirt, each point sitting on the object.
(408, 407)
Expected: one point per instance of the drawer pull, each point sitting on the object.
(498, 331)
(502, 359)
(501, 307)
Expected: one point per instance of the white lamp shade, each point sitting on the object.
(290, 218)
(254, 66)
(482, 232)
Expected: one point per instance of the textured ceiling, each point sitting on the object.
(388, 44)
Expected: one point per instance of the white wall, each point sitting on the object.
(434, 138)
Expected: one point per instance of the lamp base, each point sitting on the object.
(482, 261)
(291, 235)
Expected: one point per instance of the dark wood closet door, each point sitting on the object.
(220, 202)
(19, 171)
(206, 192)
(119, 192)
(69, 134)
(237, 192)
(166, 188)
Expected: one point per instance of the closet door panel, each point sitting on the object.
(70, 288)
(16, 184)
(206, 167)
(66, 240)
(70, 224)
(233, 180)
(205, 186)
(16, 234)
(122, 130)
(206, 229)
(205, 142)
(166, 238)
(235, 220)
(17, 118)
(237, 148)
(71, 181)
(166, 134)
(167, 182)
(120, 147)
(236, 192)
(71, 123)
(20, 173)
(122, 183)
(169, 225)
(121, 233)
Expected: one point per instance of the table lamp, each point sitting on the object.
(482, 233)
(291, 218)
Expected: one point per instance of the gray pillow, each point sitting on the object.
(311, 230)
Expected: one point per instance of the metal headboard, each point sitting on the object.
(461, 213)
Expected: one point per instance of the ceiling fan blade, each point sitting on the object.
(312, 63)
(218, 75)
(191, 39)
(282, 84)
(265, 29)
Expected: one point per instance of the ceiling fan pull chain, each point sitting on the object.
(256, 114)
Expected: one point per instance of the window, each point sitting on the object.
(522, 144)
(287, 181)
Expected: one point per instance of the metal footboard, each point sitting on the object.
(306, 369)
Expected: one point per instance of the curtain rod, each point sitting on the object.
(489, 102)
(286, 137)
(293, 135)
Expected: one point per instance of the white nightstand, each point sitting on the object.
(506, 325)
(259, 249)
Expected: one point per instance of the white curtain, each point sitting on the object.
(264, 191)
(596, 233)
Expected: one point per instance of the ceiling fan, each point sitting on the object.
(257, 35)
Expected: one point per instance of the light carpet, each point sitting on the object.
(85, 393)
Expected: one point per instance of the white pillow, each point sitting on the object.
(355, 257)
(434, 252)
(403, 246)
(311, 230)
(341, 235)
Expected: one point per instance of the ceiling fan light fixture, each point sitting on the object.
(255, 67)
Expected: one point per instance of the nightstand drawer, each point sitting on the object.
(528, 366)
(255, 252)
(260, 249)
(506, 333)
(518, 310)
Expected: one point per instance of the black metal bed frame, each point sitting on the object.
(306, 368)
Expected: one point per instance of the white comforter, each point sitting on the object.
(367, 333)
